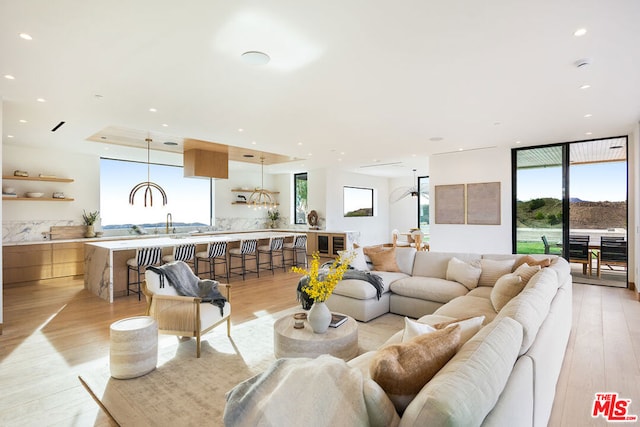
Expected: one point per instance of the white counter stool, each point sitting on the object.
(273, 249)
(185, 252)
(216, 254)
(248, 250)
(144, 258)
(133, 349)
(297, 247)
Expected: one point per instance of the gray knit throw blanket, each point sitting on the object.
(188, 284)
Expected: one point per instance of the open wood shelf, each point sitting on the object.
(39, 199)
(36, 178)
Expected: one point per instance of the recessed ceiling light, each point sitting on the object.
(299, 143)
(103, 137)
(9, 77)
(342, 153)
(588, 133)
(23, 121)
(580, 32)
(25, 36)
(98, 96)
(164, 125)
(41, 100)
(9, 136)
(240, 130)
(518, 142)
(153, 110)
(585, 86)
(253, 143)
(255, 57)
(170, 143)
(339, 160)
(588, 115)
(309, 154)
(460, 149)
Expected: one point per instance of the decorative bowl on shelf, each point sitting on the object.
(35, 195)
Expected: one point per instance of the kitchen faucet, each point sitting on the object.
(169, 222)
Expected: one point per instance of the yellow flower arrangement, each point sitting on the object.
(322, 283)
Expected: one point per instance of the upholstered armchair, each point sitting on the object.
(181, 315)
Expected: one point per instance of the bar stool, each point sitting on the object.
(216, 254)
(299, 245)
(274, 248)
(185, 252)
(247, 249)
(144, 258)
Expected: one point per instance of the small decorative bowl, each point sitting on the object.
(35, 195)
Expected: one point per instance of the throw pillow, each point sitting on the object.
(526, 272)
(507, 287)
(413, 329)
(463, 272)
(403, 369)
(469, 326)
(493, 269)
(528, 259)
(383, 260)
(358, 261)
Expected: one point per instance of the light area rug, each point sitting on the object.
(184, 390)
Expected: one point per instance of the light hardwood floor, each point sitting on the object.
(56, 330)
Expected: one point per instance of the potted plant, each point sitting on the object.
(274, 216)
(89, 220)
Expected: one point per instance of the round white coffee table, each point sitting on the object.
(340, 342)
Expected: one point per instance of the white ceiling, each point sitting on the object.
(349, 84)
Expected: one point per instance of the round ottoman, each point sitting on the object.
(134, 347)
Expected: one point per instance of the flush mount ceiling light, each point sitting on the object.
(148, 185)
(255, 57)
(261, 198)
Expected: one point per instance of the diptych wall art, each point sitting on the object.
(475, 204)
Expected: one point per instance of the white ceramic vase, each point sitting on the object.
(319, 317)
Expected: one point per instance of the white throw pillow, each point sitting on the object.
(413, 329)
(468, 327)
(526, 272)
(507, 287)
(358, 261)
(493, 269)
(464, 273)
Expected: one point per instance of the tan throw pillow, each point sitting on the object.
(403, 369)
(469, 326)
(526, 272)
(383, 260)
(529, 260)
(507, 287)
(464, 273)
(493, 269)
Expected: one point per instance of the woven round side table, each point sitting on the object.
(134, 347)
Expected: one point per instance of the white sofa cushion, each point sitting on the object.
(465, 390)
(434, 264)
(428, 288)
(468, 306)
(531, 307)
(481, 291)
(405, 258)
(493, 269)
(413, 329)
(361, 289)
(462, 272)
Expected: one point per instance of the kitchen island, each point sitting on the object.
(105, 263)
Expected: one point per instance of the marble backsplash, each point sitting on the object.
(32, 231)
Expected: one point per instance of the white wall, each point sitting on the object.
(634, 206)
(85, 190)
(488, 165)
(403, 214)
(1, 218)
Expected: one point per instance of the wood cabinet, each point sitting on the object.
(327, 244)
(24, 263)
(34, 178)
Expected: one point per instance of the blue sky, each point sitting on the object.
(590, 182)
(188, 198)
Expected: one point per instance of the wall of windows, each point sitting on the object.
(423, 204)
(300, 198)
(188, 199)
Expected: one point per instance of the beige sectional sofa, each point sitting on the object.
(506, 374)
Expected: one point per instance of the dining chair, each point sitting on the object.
(613, 251)
(273, 249)
(144, 258)
(580, 253)
(216, 254)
